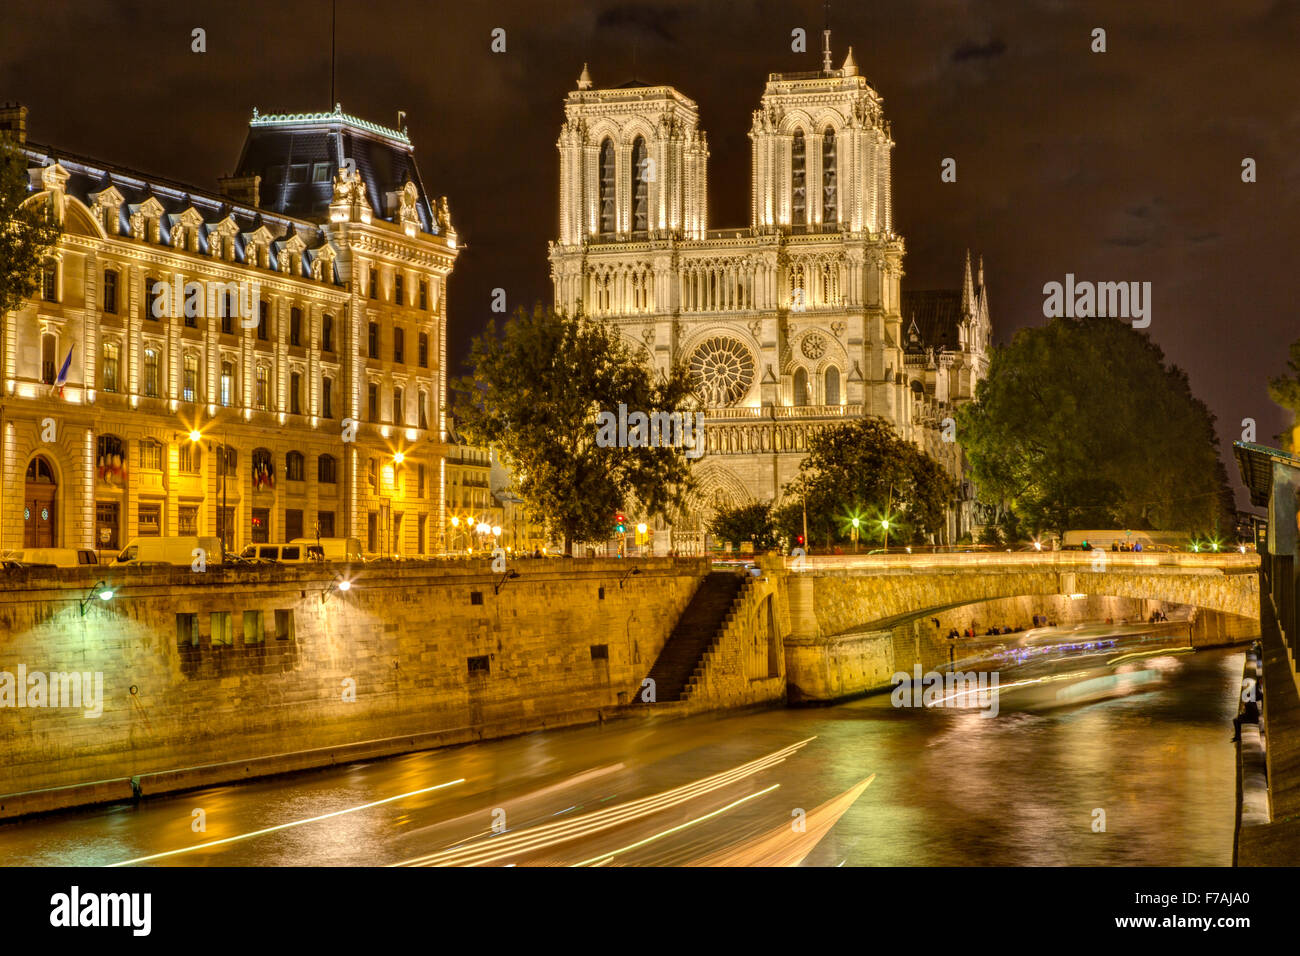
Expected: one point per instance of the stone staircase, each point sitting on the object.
(680, 662)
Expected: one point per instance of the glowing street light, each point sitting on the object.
(101, 590)
(398, 458)
(195, 435)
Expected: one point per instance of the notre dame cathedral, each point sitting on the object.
(788, 325)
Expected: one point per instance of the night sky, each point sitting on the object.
(1117, 166)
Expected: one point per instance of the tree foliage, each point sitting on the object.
(26, 231)
(1080, 424)
(537, 388)
(864, 468)
(1285, 390)
(752, 522)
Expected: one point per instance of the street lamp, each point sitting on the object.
(101, 590)
(856, 523)
(223, 460)
(340, 583)
(884, 523)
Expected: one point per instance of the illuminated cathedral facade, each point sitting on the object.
(791, 324)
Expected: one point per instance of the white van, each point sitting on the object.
(330, 549)
(57, 557)
(294, 553)
(171, 549)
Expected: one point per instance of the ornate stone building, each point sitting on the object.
(319, 409)
(790, 324)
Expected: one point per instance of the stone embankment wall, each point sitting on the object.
(215, 676)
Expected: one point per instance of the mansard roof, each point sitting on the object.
(298, 154)
(89, 177)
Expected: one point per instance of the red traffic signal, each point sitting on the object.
(799, 539)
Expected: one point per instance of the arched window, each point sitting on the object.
(110, 461)
(326, 470)
(263, 469)
(832, 386)
(798, 180)
(293, 463)
(640, 187)
(39, 472)
(800, 386)
(830, 211)
(607, 188)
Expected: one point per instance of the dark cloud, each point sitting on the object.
(979, 51)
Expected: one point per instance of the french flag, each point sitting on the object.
(63, 373)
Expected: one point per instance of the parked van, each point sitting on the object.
(294, 553)
(53, 557)
(171, 549)
(330, 549)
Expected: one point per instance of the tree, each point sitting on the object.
(864, 469)
(27, 230)
(1080, 424)
(1285, 391)
(538, 388)
(745, 523)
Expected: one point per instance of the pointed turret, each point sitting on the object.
(850, 67)
(979, 280)
(967, 290)
(584, 81)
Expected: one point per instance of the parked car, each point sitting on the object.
(53, 557)
(171, 549)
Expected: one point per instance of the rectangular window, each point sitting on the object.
(327, 397)
(227, 322)
(222, 631)
(398, 289)
(292, 523)
(263, 320)
(187, 630)
(320, 173)
(372, 532)
(49, 356)
(372, 401)
(423, 348)
(424, 418)
(475, 597)
(326, 470)
(227, 460)
(399, 407)
(112, 353)
(327, 333)
(151, 375)
(262, 387)
(419, 481)
(479, 665)
(253, 628)
(424, 294)
(190, 379)
(150, 520)
(188, 461)
(293, 472)
(399, 345)
(151, 455)
(227, 383)
(372, 343)
(600, 652)
(284, 629)
(261, 525)
(295, 393)
(422, 524)
(397, 533)
(374, 283)
(188, 520)
(50, 281)
(151, 296)
(295, 326)
(110, 291)
(326, 521)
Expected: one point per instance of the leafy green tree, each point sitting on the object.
(26, 231)
(1285, 390)
(1081, 424)
(745, 523)
(537, 390)
(864, 469)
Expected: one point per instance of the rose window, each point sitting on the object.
(813, 346)
(722, 370)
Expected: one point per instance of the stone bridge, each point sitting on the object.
(836, 595)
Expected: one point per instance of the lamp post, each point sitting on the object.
(196, 437)
(884, 523)
(856, 522)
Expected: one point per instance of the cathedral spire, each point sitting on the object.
(967, 290)
(980, 275)
(826, 40)
(584, 81)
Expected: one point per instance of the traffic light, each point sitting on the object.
(799, 540)
(620, 524)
